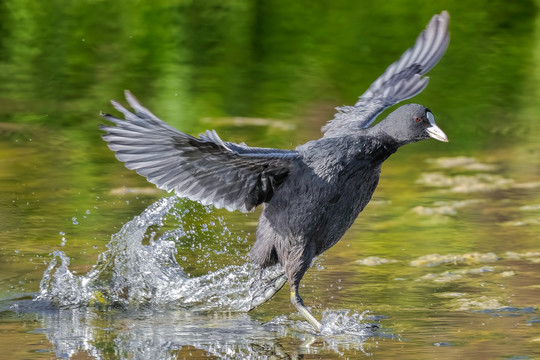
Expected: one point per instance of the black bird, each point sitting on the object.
(310, 195)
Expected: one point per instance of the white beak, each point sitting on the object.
(434, 131)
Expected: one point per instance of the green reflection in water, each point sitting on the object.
(269, 73)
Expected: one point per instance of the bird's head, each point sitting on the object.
(411, 123)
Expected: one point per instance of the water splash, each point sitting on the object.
(334, 322)
(159, 334)
(139, 272)
(130, 274)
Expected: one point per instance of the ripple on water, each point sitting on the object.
(467, 258)
(462, 162)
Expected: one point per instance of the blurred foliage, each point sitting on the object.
(60, 61)
(269, 73)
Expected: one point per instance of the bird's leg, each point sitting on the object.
(297, 262)
(299, 304)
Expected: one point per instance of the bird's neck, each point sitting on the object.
(386, 148)
(378, 144)
(389, 137)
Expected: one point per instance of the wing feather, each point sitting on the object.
(401, 81)
(206, 169)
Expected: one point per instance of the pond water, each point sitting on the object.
(96, 263)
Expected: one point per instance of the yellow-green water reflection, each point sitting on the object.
(270, 73)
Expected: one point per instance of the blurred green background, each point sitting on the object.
(268, 73)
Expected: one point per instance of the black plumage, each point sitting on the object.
(310, 195)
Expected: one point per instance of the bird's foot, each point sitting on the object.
(302, 309)
(270, 281)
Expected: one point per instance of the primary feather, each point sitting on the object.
(206, 169)
(401, 81)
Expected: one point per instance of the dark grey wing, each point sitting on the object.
(206, 169)
(401, 81)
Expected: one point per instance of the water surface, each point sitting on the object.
(444, 262)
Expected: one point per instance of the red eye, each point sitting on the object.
(416, 119)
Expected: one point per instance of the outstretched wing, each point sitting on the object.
(206, 169)
(401, 81)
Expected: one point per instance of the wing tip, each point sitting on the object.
(445, 15)
(443, 18)
(131, 99)
(399, 81)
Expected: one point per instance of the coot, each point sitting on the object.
(310, 195)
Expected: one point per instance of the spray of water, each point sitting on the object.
(130, 273)
(139, 270)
